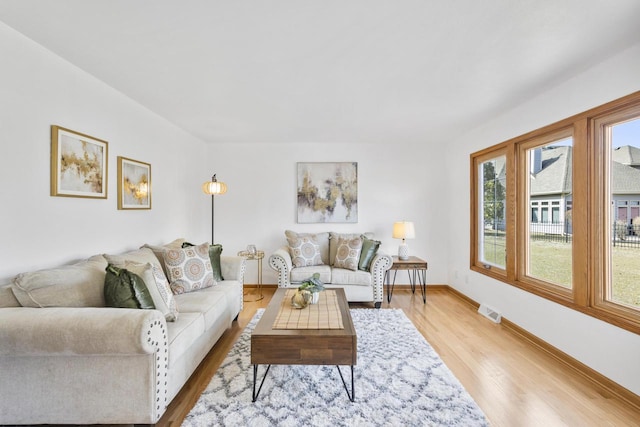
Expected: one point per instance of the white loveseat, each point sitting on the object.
(360, 285)
(65, 358)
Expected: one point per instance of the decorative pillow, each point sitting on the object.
(335, 237)
(158, 250)
(158, 287)
(321, 238)
(214, 256)
(304, 250)
(124, 289)
(348, 253)
(140, 256)
(369, 250)
(189, 268)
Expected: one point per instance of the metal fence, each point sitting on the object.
(626, 235)
(623, 235)
(556, 232)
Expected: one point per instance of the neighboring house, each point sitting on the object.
(551, 186)
(626, 183)
(550, 190)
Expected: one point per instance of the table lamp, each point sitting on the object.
(403, 230)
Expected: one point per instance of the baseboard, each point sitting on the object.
(590, 374)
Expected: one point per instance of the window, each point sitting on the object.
(561, 203)
(489, 224)
(618, 135)
(546, 171)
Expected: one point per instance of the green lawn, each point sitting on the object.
(551, 262)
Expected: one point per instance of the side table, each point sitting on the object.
(416, 269)
(257, 256)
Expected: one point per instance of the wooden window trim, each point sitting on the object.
(588, 293)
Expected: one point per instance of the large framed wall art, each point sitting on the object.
(327, 192)
(78, 164)
(134, 184)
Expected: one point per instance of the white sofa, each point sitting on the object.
(67, 359)
(359, 285)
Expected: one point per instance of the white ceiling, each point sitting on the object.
(328, 70)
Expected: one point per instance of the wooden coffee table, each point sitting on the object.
(303, 346)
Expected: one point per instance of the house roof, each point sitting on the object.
(555, 176)
(626, 179)
(627, 155)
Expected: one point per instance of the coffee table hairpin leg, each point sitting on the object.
(255, 375)
(352, 395)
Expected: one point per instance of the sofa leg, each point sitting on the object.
(377, 304)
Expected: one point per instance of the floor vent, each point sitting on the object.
(490, 313)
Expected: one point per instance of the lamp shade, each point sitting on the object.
(214, 187)
(404, 230)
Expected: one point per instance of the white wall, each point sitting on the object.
(260, 203)
(39, 90)
(609, 350)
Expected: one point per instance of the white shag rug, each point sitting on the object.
(399, 381)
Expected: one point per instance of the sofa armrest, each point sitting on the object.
(280, 261)
(83, 365)
(379, 266)
(233, 267)
(66, 331)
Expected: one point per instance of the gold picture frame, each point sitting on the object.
(134, 184)
(78, 164)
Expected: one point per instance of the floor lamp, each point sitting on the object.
(213, 187)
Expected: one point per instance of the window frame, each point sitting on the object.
(491, 270)
(589, 167)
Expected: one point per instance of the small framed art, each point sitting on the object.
(134, 184)
(78, 164)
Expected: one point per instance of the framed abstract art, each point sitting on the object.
(78, 164)
(134, 184)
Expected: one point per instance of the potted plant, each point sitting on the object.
(314, 285)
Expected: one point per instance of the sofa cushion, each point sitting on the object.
(333, 242)
(369, 250)
(183, 333)
(211, 302)
(305, 251)
(125, 289)
(76, 285)
(7, 298)
(300, 274)
(348, 253)
(158, 250)
(349, 277)
(189, 268)
(158, 287)
(321, 238)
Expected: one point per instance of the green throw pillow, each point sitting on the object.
(124, 289)
(369, 250)
(214, 256)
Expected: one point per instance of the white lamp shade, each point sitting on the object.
(404, 230)
(214, 187)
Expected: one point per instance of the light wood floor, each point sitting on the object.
(514, 382)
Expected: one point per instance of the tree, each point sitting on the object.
(493, 197)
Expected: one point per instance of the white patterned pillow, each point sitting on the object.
(348, 253)
(189, 268)
(158, 287)
(304, 250)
